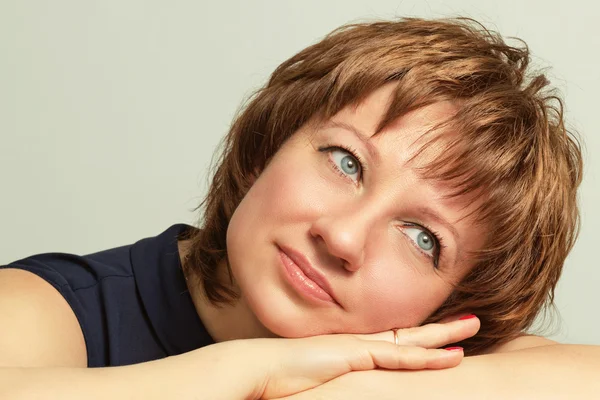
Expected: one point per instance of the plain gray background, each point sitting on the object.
(110, 111)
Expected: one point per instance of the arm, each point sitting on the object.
(545, 371)
(204, 373)
(43, 355)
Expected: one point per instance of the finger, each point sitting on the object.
(453, 318)
(389, 356)
(385, 336)
(432, 336)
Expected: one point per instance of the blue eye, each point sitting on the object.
(424, 241)
(346, 163)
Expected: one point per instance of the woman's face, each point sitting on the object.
(339, 233)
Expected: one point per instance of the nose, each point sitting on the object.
(344, 236)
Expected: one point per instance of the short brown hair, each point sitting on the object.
(512, 149)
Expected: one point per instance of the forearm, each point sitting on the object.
(205, 373)
(549, 372)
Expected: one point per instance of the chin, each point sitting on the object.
(281, 316)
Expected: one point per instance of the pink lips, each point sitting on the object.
(304, 277)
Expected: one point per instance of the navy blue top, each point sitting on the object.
(132, 302)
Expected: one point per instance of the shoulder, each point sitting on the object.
(522, 342)
(115, 307)
(53, 308)
(74, 294)
(39, 328)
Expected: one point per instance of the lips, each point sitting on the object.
(307, 269)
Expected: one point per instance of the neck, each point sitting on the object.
(224, 321)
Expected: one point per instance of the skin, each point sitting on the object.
(354, 229)
(355, 232)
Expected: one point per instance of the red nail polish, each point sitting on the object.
(467, 317)
(454, 348)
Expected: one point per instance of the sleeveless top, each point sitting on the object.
(132, 302)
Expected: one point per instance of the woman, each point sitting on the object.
(378, 186)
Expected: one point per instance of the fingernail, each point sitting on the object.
(467, 316)
(454, 348)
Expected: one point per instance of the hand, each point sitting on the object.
(296, 365)
(366, 385)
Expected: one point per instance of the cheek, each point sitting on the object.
(402, 298)
(288, 191)
(285, 194)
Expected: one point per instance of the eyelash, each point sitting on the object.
(349, 150)
(439, 245)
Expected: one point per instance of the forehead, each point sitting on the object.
(373, 108)
(408, 133)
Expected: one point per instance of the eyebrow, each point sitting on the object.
(373, 152)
